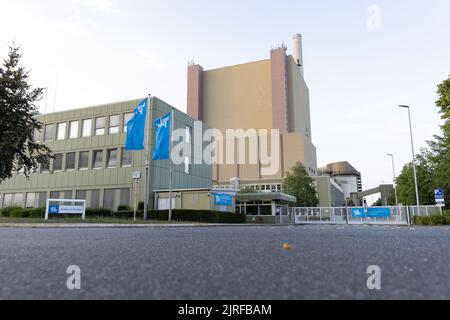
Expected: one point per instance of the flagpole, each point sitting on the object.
(171, 164)
(147, 159)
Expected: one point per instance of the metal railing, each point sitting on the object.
(425, 211)
(344, 215)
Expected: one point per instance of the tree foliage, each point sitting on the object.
(18, 150)
(433, 164)
(300, 185)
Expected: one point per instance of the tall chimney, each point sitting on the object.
(297, 51)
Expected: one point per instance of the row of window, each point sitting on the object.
(259, 188)
(68, 161)
(111, 198)
(86, 127)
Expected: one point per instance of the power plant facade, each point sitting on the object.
(261, 95)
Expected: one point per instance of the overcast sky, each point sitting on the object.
(362, 59)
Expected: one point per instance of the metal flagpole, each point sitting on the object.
(147, 160)
(172, 120)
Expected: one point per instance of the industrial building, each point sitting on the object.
(90, 161)
(346, 176)
(267, 94)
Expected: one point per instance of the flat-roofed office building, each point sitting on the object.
(90, 161)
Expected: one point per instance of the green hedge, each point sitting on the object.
(205, 216)
(436, 220)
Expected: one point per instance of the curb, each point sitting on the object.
(124, 226)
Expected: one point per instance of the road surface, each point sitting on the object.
(324, 262)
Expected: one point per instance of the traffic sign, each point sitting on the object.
(440, 197)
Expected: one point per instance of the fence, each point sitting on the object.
(425, 211)
(345, 215)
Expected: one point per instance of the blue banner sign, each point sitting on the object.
(223, 199)
(372, 212)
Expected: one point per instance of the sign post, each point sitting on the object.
(54, 209)
(136, 178)
(440, 198)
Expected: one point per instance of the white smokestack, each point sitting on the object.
(297, 51)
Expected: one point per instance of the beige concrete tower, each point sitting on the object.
(267, 94)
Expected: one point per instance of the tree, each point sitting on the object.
(406, 186)
(18, 150)
(300, 185)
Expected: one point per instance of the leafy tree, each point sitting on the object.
(300, 185)
(378, 203)
(18, 150)
(406, 186)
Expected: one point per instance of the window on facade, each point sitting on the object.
(108, 198)
(7, 200)
(57, 162)
(114, 124)
(83, 161)
(31, 198)
(125, 197)
(70, 161)
(37, 135)
(86, 128)
(61, 131)
(187, 165)
(42, 202)
(188, 134)
(81, 195)
(126, 158)
(127, 117)
(100, 126)
(55, 195)
(98, 159)
(112, 158)
(45, 167)
(49, 130)
(73, 129)
(18, 200)
(67, 194)
(95, 199)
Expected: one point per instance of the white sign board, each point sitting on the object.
(71, 209)
(136, 175)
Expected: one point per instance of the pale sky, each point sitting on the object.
(358, 67)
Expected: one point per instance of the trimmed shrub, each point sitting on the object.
(128, 214)
(123, 207)
(6, 212)
(438, 220)
(98, 212)
(205, 216)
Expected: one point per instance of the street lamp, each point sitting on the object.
(414, 157)
(395, 179)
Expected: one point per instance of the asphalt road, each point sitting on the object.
(325, 262)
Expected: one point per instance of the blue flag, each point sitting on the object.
(136, 128)
(162, 141)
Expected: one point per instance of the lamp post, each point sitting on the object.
(395, 179)
(414, 158)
